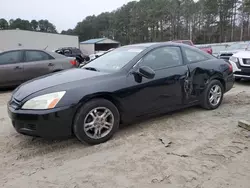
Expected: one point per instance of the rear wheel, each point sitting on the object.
(96, 122)
(213, 95)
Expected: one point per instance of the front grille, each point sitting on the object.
(246, 61)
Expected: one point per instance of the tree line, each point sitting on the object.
(203, 21)
(33, 25)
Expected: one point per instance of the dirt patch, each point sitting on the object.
(191, 148)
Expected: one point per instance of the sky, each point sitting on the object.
(64, 14)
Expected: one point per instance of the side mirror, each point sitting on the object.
(146, 72)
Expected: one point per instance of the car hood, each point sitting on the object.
(52, 80)
(230, 51)
(242, 54)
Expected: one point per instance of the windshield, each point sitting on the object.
(114, 60)
(187, 42)
(237, 47)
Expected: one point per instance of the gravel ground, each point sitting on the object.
(192, 148)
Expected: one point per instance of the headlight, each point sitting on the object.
(234, 59)
(42, 102)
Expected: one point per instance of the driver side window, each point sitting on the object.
(163, 57)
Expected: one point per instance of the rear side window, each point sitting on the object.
(36, 56)
(11, 57)
(194, 56)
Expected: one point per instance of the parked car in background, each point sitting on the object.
(241, 64)
(217, 48)
(18, 66)
(207, 49)
(94, 56)
(127, 83)
(73, 52)
(99, 53)
(188, 42)
(232, 49)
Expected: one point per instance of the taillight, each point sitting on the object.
(73, 62)
(230, 67)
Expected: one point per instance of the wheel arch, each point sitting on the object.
(220, 79)
(106, 96)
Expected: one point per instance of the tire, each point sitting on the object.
(83, 117)
(205, 102)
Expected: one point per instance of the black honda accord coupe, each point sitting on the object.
(129, 82)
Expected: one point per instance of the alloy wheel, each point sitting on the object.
(98, 123)
(215, 95)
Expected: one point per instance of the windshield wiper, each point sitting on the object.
(90, 68)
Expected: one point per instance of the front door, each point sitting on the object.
(166, 90)
(11, 68)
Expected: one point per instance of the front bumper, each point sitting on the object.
(54, 123)
(240, 71)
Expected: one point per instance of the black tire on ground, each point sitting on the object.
(83, 112)
(205, 103)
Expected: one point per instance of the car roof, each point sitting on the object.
(16, 49)
(28, 49)
(155, 44)
(181, 40)
(143, 44)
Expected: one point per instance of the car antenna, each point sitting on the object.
(46, 47)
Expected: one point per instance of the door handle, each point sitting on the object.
(51, 64)
(18, 68)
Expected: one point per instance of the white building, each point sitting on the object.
(14, 39)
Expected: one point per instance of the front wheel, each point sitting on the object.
(213, 95)
(96, 122)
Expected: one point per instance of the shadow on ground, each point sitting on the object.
(40, 146)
